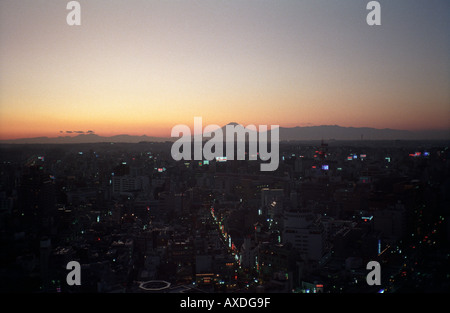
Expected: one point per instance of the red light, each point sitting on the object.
(319, 286)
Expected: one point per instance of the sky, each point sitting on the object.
(141, 66)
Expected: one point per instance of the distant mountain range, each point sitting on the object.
(85, 138)
(330, 132)
(326, 132)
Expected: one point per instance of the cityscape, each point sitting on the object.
(139, 222)
(224, 152)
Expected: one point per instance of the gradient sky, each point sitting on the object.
(141, 67)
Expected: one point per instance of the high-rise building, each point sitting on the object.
(129, 183)
(37, 199)
(306, 234)
(272, 205)
(44, 258)
(249, 251)
(391, 222)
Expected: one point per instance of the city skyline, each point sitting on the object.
(141, 67)
(298, 133)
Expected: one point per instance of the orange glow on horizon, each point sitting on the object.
(142, 68)
(36, 128)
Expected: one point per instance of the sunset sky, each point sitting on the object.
(141, 66)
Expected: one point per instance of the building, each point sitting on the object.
(305, 233)
(248, 253)
(391, 222)
(126, 183)
(272, 205)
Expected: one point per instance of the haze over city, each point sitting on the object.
(141, 67)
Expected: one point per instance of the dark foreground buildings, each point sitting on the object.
(137, 221)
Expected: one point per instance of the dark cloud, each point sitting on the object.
(76, 131)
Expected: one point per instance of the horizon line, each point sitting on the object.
(75, 134)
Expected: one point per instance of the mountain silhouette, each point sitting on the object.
(330, 132)
(86, 138)
(325, 132)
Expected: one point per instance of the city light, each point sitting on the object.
(229, 226)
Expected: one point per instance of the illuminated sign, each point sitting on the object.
(221, 159)
(367, 218)
(364, 179)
